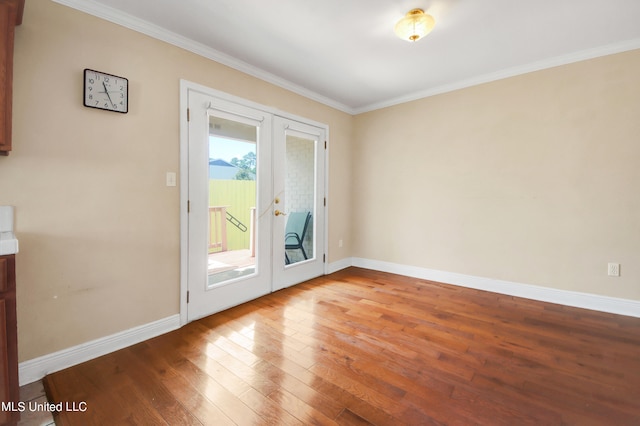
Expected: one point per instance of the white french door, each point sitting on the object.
(299, 195)
(211, 288)
(252, 175)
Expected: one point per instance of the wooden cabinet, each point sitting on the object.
(9, 386)
(10, 16)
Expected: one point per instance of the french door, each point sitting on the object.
(299, 193)
(256, 215)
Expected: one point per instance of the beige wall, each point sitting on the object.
(532, 179)
(98, 228)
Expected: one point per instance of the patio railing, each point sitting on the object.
(218, 228)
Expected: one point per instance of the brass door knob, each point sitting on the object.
(278, 213)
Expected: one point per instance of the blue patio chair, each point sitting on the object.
(295, 232)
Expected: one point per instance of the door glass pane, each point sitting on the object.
(232, 200)
(300, 199)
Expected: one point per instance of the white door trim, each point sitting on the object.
(185, 86)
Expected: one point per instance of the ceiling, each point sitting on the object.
(344, 53)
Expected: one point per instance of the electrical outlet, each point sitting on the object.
(614, 269)
(339, 243)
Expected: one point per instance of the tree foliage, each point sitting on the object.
(247, 166)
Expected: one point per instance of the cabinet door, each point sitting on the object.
(9, 388)
(4, 274)
(10, 16)
(5, 389)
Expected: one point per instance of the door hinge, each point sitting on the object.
(187, 297)
(188, 114)
(325, 201)
(324, 258)
(188, 206)
(325, 144)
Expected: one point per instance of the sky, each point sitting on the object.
(227, 149)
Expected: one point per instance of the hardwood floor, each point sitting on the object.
(360, 347)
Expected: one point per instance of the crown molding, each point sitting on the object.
(128, 21)
(139, 25)
(582, 55)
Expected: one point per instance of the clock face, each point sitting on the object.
(106, 91)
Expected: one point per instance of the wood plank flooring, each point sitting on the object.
(360, 347)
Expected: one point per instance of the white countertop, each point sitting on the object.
(8, 243)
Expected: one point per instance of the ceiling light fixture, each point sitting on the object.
(415, 25)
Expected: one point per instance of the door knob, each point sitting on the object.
(278, 213)
(277, 200)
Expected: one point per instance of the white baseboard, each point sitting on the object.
(544, 294)
(36, 369)
(339, 265)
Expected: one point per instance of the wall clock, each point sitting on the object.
(106, 91)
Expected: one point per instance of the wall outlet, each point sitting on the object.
(339, 243)
(614, 270)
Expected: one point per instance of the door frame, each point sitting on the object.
(185, 87)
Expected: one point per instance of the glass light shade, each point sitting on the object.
(415, 25)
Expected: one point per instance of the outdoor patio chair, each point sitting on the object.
(295, 232)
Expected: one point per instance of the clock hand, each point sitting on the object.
(107, 92)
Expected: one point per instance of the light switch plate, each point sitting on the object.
(171, 178)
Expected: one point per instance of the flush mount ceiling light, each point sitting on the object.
(415, 25)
